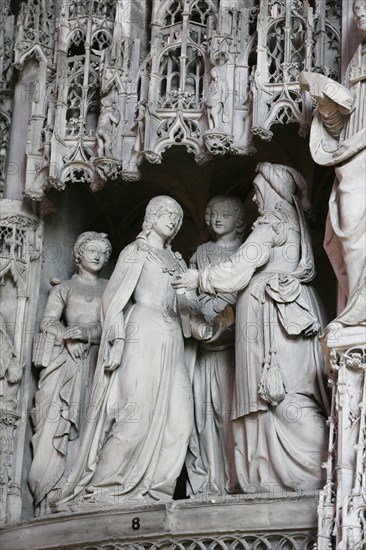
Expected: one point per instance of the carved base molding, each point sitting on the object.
(239, 522)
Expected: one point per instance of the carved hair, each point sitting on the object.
(157, 206)
(236, 206)
(87, 237)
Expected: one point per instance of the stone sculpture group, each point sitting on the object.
(228, 380)
(244, 410)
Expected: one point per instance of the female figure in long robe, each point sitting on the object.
(137, 438)
(68, 348)
(279, 399)
(214, 371)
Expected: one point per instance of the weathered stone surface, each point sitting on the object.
(186, 96)
(163, 526)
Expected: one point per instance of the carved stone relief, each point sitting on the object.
(342, 501)
(218, 73)
(292, 36)
(20, 250)
(211, 449)
(338, 139)
(134, 420)
(66, 350)
(295, 541)
(109, 85)
(6, 76)
(267, 380)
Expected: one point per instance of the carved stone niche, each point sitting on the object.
(342, 504)
(238, 522)
(6, 84)
(20, 262)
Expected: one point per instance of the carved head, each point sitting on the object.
(226, 207)
(108, 102)
(359, 11)
(159, 206)
(283, 180)
(214, 74)
(92, 247)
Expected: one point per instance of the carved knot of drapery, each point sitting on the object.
(283, 305)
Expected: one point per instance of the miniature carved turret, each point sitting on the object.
(205, 74)
(6, 83)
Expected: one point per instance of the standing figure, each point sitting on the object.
(338, 138)
(67, 349)
(135, 447)
(108, 121)
(279, 427)
(140, 114)
(11, 369)
(214, 372)
(216, 96)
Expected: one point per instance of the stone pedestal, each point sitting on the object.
(240, 522)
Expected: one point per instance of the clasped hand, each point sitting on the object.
(73, 340)
(187, 280)
(217, 330)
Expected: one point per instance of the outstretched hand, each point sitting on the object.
(187, 280)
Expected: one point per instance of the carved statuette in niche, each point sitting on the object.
(11, 370)
(338, 138)
(139, 127)
(67, 351)
(217, 140)
(214, 372)
(144, 414)
(216, 96)
(279, 426)
(108, 121)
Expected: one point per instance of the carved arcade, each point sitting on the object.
(215, 75)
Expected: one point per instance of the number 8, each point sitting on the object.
(136, 524)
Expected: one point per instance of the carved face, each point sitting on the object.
(223, 219)
(166, 223)
(359, 10)
(259, 188)
(94, 256)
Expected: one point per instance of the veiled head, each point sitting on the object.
(359, 11)
(282, 180)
